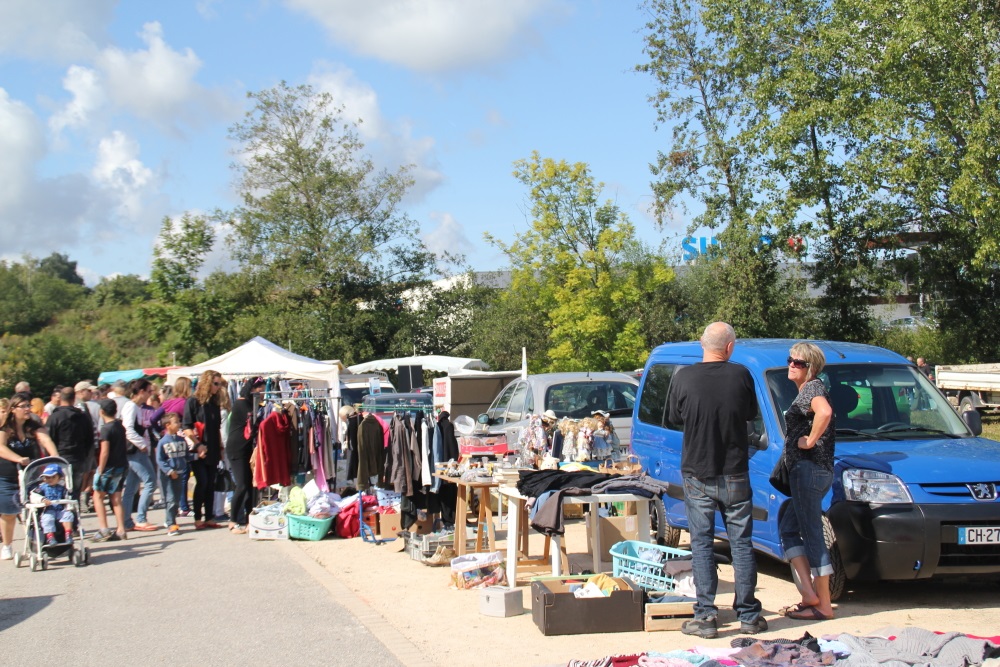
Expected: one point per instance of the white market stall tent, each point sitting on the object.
(260, 356)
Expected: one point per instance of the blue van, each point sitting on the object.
(915, 490)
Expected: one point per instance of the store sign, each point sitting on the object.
(693, 246)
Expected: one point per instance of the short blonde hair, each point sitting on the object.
(811, 353)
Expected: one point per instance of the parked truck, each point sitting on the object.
(970, 386)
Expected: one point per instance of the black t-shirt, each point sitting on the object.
(238, 446)
(713, 401)
(27, 447)
(114, 433)
(72, 432)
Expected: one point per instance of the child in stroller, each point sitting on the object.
(49, 493)
(49, 514)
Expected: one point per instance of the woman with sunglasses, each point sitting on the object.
(808, 453)
(202, 424)
(21, 437)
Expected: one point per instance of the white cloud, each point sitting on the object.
(158, 83)
(430, 35)
(22, 145)
(390, 144)
(119, 171)
(448, 236)
(88, 96)
(54, 30)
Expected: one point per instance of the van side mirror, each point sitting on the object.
(483, 419)
(974, 421)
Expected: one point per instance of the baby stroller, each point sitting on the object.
(36, 552)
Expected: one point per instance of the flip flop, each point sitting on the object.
(808, 614)
(798, 606)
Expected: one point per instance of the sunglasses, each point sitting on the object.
(797, 363)
(218, 384)
(25, 406)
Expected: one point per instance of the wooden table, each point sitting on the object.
(516, 527)
(485, 532)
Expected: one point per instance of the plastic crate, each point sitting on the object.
(308, 528)
(648, 574)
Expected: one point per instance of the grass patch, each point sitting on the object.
(991, 427)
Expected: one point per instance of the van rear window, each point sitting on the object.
(653, 402)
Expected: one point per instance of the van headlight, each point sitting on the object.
(878, 488)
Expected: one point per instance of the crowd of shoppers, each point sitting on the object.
(127, 443)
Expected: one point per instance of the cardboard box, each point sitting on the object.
(389, 524)
(615, 529)
(501, 602)
(267, 526)
(556, 611)
(422, 526)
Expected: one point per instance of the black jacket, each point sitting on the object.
(73, 433)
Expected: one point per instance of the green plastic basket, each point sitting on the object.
(308, 528)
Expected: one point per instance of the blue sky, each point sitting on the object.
(114, 115)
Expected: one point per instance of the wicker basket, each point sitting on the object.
(629, 466)
(308, 528)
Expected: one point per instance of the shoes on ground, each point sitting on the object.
(184, 513)
(238, 530)
(441, 557)
(145, 527)
(706, 628)
(174, 530)
(760, 625)
(6, 553)
(158, 505)
(211, 524)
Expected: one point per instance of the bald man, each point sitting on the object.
(712, 402)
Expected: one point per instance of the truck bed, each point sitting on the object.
(968, 377)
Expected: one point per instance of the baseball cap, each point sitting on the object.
(109, 407)
(51, 469)
(83, 385)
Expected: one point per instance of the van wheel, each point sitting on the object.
(838, 580)
(662, 532)
(966, 405)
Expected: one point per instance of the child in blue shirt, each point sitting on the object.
(172, 457)
(52, 490)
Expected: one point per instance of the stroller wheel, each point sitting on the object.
(33, 562)
(45, 561)
(18, 559)
(85, 555)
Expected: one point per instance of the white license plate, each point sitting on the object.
(979, 535)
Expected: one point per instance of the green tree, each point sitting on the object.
(59, 266)
(320, 222)
(578, 259)
(701, 95)
(46, 360)
(30, 298)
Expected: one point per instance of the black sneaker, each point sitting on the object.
(706, 628)
(747, 628)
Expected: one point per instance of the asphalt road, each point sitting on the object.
(205, 598)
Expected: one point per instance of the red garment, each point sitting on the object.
(274, 444)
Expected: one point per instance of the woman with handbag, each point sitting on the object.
(239, 447)
(202, 424)
(809, 446)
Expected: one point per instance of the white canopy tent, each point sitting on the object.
(260, 356)
(429, 362)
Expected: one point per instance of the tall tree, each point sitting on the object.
(578, 262)
(319, 219)
(702, 97)
(59, 266)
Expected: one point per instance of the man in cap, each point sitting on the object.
(86, 401)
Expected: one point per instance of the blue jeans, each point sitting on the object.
(801, 522)
(140, 470)
(172, 493)
(730, 495)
